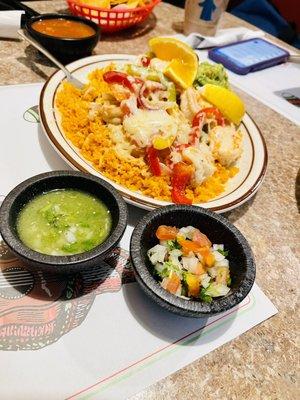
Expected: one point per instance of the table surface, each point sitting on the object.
(262, 363)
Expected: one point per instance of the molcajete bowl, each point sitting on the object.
(65, 49)
(43, 183)
(220, 231)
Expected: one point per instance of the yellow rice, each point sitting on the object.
(92, 138)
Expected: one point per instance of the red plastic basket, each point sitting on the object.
(112, 20)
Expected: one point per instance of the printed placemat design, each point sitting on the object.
(37, 308)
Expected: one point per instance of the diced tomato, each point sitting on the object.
(182, 174)
(208, 257)
(173, 283)
(165, 232)
(201, 239)
(153, 160)
(199, 117)
(188, 246)
(203, 250)
(209, 260)
(200, 269)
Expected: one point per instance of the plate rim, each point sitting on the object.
(127, 197)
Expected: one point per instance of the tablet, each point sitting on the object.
(248, 55)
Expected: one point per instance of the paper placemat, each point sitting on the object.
(83, 337)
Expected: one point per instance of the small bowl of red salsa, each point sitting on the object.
(67, 37)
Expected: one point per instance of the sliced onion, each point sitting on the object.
(154, 87)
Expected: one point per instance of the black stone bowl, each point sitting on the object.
(219, 230)
(65, 49)
(46, 182)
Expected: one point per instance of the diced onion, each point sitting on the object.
(205, 279)
(222, 263)
(157, 254)
(218, 247)
(218, 256)
(187, 232)
(212, 271)
(216, 290)
(189, 263)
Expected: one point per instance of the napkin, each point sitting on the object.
(10, 22)
(222, 37)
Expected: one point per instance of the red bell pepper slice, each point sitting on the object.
(182, 174)
(198, 118)
(122, 79)
(153, 160)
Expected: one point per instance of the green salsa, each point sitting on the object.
(64, 222)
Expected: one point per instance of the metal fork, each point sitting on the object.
(26, 36)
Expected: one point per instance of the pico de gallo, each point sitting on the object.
(188, 265)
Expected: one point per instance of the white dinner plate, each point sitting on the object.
(252, 164)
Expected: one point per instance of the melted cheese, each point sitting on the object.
(145, 124)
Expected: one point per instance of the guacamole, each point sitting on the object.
(64, 222)
(211, 73)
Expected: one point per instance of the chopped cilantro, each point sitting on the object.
(205, 297)
(223, 252)
(168, 267)
(184, 274)
(173, 245)
(171, 267)
(164, 273)
(184, 289)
